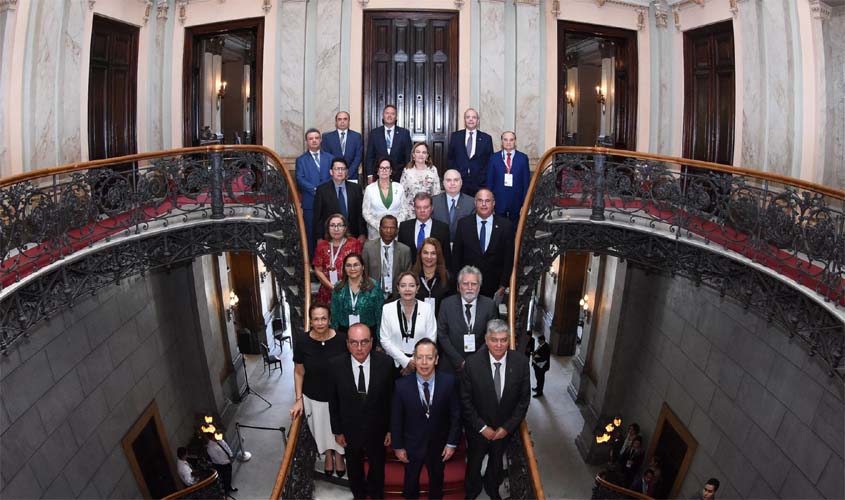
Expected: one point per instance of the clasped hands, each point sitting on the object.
(494, 435)
(402, 455)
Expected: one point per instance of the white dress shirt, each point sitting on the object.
(219, 452)
(391, 334)
(366, 364)
(488, 230)
(426, 230)
(472, 311)
(474, 140)
(504, 362)
(186, 474)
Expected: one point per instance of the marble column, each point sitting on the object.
(833, 173)
(326, 83)
(664, 86)
(292, 42)
(527, 71)
(39, 109)
(778, 34)
(156, 66)
(69, 91)
(491, 102)
(7, 31)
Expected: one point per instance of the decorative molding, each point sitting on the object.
(183, 7)
(459, 4)
(641, 18)
(148, 7)
(363, 3)
(733, 6)
(556, 8)
(91, 4)
(661, 17)
(526, 2)
(676, 15)
(820, 10)
(266, 6)
(161, 9)
(8, 5)
(635, 4)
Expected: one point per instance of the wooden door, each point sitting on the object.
(112, 89)
(411, 61)
(709, 93)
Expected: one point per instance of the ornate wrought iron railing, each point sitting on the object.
(774, 244)
(295, 480)
(523, 473)
(66, 232)
(208, 488)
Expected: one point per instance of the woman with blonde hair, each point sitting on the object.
(419, 175)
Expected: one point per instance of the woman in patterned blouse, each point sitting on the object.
(329, 256)
(357, 298)
(419, 175)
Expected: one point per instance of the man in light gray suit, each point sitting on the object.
(462, 321)
(463, 203)
(386, 258)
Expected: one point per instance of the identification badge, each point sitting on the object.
(469, 343)
(508, 180)
(431, 301)
(353, 318)
(388, 285)
(333, 277)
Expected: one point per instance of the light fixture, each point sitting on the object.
(600, 98)
(218, 436)
(617, 421)
(610, 431)
(570, 98)
(221, 92)
(603, 438)
(233, 303)
(263, 276)
(209, 419)
(585, 308)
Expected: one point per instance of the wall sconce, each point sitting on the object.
(233, 303)
(585, 308)
(263, 276)
(600, 98)
(570, 98)
(609, 431)
(221, 92)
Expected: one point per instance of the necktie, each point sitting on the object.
(385, 268)
(497, 381)
(468, 314)
(421, 235)
(452, 213)
(341, 200)
(343, 142)
(509, 162)
(362, 385)
(482, 237)
(469, 145)
(316, 158)
(388, 141)
(427, 395)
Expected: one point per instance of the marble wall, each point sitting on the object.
(292, 43)
(528, 102)
(327, 83)
(7, 24)
(834, 154)
(491, 99)
(39, 112)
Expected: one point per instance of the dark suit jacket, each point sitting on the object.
(400, 150)
(464, 207)
(354, 149)
(308, 178)
(543, 353)
(402, 262)
(496, 263)
(417, 434)
(478, 398)
(451, 328)
(473, 170)
(439, 231)
(508, 199)
(361, 419)
(326, 203)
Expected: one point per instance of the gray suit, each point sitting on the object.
(451, 328)
(464, 207)
(372, 253)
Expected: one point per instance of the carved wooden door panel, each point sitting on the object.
(411, 61)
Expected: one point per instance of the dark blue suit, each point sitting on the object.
(307, 180)
(509, 200)
(424, 438)
(473, 170)
(354, 149)
(400, 150)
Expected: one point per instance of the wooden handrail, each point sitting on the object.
(531, 460)
(287, 459)
(192, 488)
(624, 491)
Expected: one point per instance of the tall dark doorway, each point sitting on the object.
(411, 61)
(675, 446)
(597, 86)
(709, 93)
(112, 89)
(222, 82)
(149, 454)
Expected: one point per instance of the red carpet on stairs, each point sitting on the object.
(453, 481)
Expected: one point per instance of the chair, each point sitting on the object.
(270, 359)
(279, 333)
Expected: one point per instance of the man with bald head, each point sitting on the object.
(469, 152)
(452, 205)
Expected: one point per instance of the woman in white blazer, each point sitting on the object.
(383, 197)
(406, 321)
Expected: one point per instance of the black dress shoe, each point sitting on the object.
(534, 389)
(232, 488)
(329, 472)
(340, 473)
(538, 395)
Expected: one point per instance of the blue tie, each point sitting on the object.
(388, 141)
(452, 213)
(342, 201)
(421, 235)
(482, 238)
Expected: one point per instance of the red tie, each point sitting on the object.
(509, 162)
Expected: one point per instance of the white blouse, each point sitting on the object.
(374, 209)
(391, 332)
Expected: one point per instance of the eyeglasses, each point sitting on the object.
(360, 343)
(339, 168)
(384, 167)
(337, 226)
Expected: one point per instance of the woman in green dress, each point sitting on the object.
(357, 298)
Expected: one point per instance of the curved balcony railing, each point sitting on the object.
(773, 243)
(208, 488)
(605, 490)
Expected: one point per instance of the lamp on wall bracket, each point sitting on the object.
(570, 99)
(600, 98)
(221, 92)
(585, 308)
(233, 303)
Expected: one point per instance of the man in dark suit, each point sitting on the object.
(426, 421)
(412, 232)
(462, 320)
(339, 196)
(508, 176)
(452, 205)
(486, 241)
(385, 258)
(469, 152)
(388, 141)
(495, 393)
(312, 169)
(345, 143)
(540, 360)
(360, 410)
